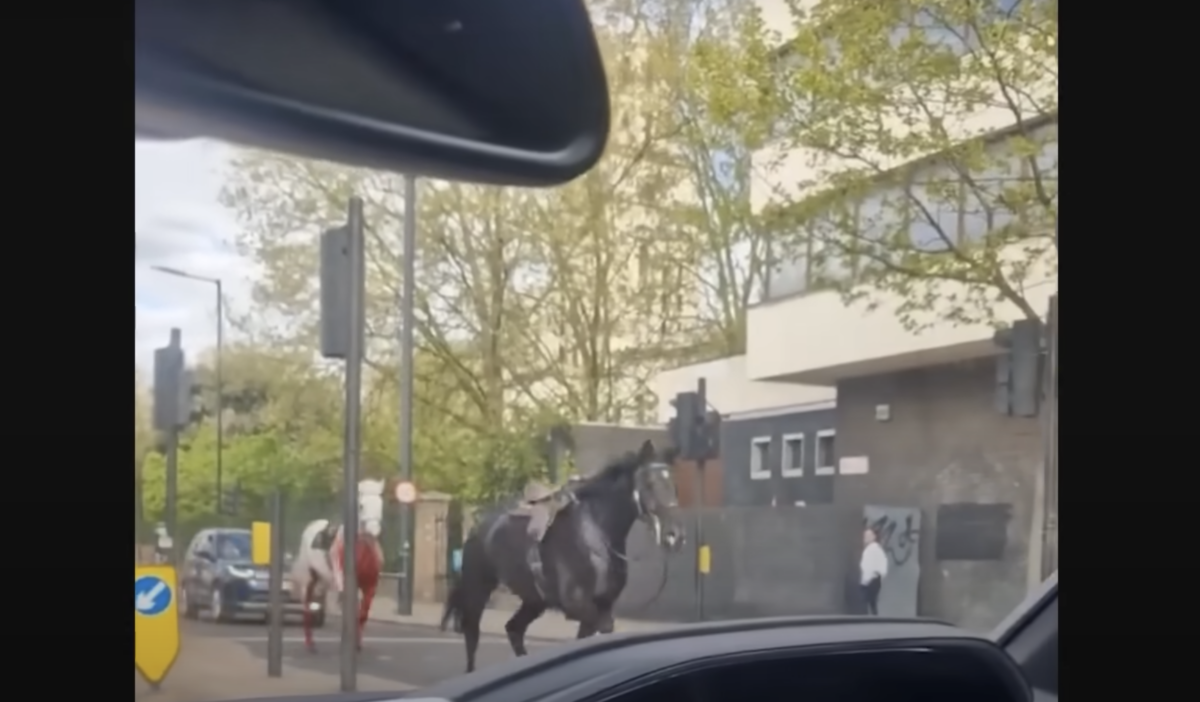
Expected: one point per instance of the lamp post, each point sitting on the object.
(215, 282)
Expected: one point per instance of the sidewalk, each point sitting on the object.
(550, 626)
(210, 670)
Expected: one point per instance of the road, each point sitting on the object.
(413, 655)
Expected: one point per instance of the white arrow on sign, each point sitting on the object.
(145, 601)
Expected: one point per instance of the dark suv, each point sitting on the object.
(218, 575)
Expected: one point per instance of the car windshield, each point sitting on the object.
(816, 267)
(233, 546)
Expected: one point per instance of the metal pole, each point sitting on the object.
(275, 629)
(405, 594)
(702, 391)
(1050, 488)
(220, 389)
(172, 490)
(351, 448)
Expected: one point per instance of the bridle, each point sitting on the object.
(652, 519)
(645, 514)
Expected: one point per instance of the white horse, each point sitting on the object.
(317, 568)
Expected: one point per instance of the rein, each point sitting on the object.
(662, 583)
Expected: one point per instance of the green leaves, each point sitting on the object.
(923, 136)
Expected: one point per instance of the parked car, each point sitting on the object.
(219, 576)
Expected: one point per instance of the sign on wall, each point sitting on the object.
(972, 531)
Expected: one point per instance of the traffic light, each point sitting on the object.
(693, 430)
(172, 398)
(1019, 369)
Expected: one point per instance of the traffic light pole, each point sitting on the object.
(171, 517)
(171, 412)
(702, 401)
(404, 594)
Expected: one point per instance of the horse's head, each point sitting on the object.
(370, 507)
(656, 499)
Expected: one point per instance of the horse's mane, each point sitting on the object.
(608, 476)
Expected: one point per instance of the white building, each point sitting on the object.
(915, 411)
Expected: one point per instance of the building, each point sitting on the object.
(915, 422)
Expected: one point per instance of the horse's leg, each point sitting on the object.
(364, 610)
(586, 628)
(469, 618)
(309, 590)
(605, 624)
(519, 623)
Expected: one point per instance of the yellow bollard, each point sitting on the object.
(260, 543)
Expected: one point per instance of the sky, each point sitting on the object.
(180, 223)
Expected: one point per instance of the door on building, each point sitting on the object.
(899, 530)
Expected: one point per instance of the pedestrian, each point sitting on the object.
(872, 569)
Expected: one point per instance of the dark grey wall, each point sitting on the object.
(765, 562)
(598, 444)
(945, 444)
(741, 490)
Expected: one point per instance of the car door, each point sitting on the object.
(1029, 634)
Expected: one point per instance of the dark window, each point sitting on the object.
(826, 450)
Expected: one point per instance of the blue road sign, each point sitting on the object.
(151, 595)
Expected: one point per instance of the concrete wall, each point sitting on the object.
(943, 444)
(743, 489)
(765, 562)
(729, 389)
(596, 445)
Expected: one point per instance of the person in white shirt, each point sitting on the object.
(873, 569)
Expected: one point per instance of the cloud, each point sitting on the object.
(180, 224)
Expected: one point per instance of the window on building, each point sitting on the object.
(760, 455)
(826, 452)
(985, 206)
(793, 455)
(788, 274)
(880, 214)
(935, 200)
(830, 262)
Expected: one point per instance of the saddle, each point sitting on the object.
(323, 541)
(540, 496)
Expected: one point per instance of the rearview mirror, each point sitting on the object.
(506, 92)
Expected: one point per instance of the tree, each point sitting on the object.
(528, 302)
(913, 197)
(722, 121)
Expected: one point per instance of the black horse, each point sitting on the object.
(583, 552)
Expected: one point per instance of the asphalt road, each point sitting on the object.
(413, 655)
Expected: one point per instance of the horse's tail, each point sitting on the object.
(454, 604)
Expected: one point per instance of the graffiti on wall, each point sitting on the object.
(897, 535)
(899, 530)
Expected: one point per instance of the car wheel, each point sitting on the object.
(185, 604)
(216, 605)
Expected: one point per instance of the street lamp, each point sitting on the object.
(216, 282)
